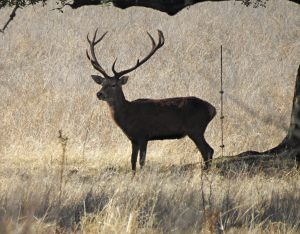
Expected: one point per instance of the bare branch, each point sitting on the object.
(11, 17)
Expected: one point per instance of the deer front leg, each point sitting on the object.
(135, 149)
(143, 151)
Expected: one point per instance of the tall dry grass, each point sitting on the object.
(45, 86)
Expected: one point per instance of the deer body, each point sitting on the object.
(144, 120)
(171, 118)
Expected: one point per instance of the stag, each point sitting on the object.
(144, 120)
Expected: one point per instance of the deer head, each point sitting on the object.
(112, 85)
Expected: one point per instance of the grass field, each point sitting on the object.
(94, 198)
(45, 87)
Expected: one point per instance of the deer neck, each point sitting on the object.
(118, 106)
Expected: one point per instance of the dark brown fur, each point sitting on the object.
(171, 118)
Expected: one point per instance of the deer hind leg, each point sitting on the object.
(205, 149)
(143, 151)
(135, 149)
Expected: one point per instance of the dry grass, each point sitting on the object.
(105, 199)
(45, 86)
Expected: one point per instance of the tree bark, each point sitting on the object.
(172, 7)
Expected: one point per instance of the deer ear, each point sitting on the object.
(123, 80)
(98, 79)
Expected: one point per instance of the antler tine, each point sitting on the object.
(95, 35)
(152, 40)
(87, 54)
(155, 47)
(161, 37)
(100, 38)
(113, 67)
(93, 59)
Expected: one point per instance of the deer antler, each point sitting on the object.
(94, 60)
(155, 47)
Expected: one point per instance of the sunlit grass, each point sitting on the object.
(46, 86)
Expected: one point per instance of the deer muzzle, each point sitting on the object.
(100, 96)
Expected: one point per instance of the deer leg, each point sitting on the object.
(205, 149)
(143, 151)
(135, 149)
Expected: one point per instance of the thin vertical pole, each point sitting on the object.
(222, 116)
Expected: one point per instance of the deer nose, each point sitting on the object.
(100, 95)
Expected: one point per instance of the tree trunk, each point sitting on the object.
(288, 149)
(292, 139)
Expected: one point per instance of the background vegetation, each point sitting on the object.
(46, 86)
